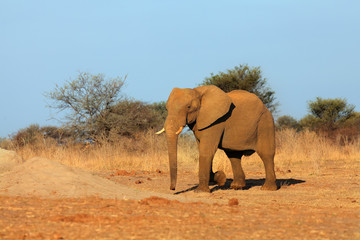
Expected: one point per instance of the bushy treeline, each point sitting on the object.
(96, 109)
(329, 117)
(128, 118)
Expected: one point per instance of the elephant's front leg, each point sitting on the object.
(207, 149)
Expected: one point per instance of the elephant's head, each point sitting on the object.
(201, 106)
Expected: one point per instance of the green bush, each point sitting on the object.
(327, 114)
(246, 78)
(287, 121)
(129, 117)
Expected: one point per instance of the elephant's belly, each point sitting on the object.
(238, 142)
(237, 147)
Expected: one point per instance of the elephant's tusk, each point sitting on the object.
(179, 131)
(161, 131)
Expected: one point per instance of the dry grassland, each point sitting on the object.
(147, 152)
(318, 198)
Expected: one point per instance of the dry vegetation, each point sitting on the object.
(148, 152)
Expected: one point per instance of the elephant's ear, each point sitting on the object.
(215, 103)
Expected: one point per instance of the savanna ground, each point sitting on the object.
(318, 196)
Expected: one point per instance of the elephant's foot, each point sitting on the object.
(238, 184)
(220, 178)
(201, 189)
(270, 186)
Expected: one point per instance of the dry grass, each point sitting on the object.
(145, 152)
(149, 152)
(305, 149)
(313, 150)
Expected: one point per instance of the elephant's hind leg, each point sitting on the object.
(218, 177)
(270, 178)
(266, 149)
(238, 172)
(267, 157)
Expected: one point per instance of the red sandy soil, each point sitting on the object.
(159, 218)
(307, 206)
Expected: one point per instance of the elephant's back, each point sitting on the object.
(243, 98)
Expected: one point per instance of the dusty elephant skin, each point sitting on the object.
(236, 122)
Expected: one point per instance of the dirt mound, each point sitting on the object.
(46, 178)
(8, 160)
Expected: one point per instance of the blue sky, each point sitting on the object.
(305, 49)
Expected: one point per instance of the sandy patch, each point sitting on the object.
(42, 177)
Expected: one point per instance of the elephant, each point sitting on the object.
(237, 122)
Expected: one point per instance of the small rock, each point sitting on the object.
(233, 202)
(138, 182)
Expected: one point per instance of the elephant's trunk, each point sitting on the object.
(172, 150)
(173, 128)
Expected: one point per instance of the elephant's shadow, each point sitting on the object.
(249, 184)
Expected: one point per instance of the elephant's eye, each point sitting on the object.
(188, 106)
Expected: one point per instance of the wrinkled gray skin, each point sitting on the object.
(237, 122)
